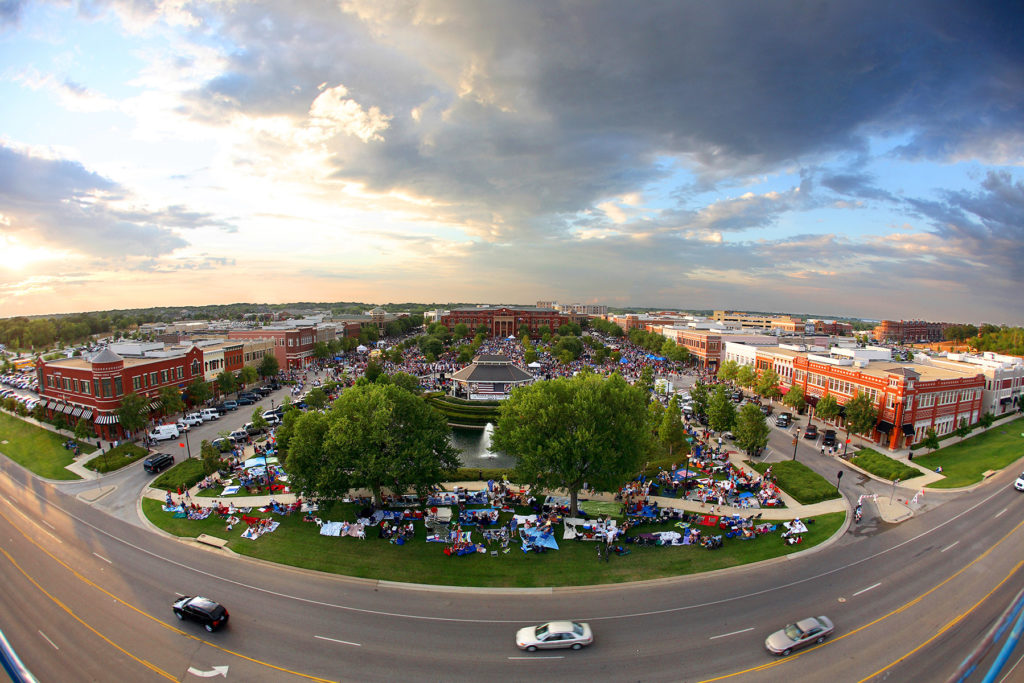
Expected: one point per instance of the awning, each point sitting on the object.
(154, 405)
(908, 430)
(86, 414)
(77, 412)
(44, 403)
(884, 426)
(106, 419)
(66, 408)
(1004, 401)
(812, 401)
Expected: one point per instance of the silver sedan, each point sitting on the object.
(554, 634)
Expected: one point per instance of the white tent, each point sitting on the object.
(361, 349)
(534, 364)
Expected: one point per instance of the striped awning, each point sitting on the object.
(106, 419)
(86, 414)
(155, 405)
(77, 412)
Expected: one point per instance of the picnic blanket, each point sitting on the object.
(585, 530)
(443, 499)
(230, 490)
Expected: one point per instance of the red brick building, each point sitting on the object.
(910, 397)
(909, 331)
(832, 328)
(293, 346)
(93, 388)
(505, 321)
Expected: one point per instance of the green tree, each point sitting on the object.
(83, 430)
(721, 410)
(986, 420)
(410, 383)
(373, 371)
(461, 331)
(170, 400)
(258, 421)
(701, 398)
(431, 347)
(268, 366)
(861, 414)
(670, 431)
(483, 329)
(395, 355)
(316, 398)
(727, 371)
(210, 457)
(572, 430)
(930, 440)
(465, 354)
(384, 436)
(768, 384)
(746, 376)
(39, 412)
(311, 470)
(284, 431)
(827, 408)
(794, 398)
(646, 381)
(964, 428)
(751, 430)
(226, 382)
(524, 332)
(530, 357)
(321, 350)
(132, 412)
(247, 375)
(198, 391)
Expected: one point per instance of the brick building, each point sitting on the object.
(505, 321)
(93, 388)
(909, 331)
(293, 345)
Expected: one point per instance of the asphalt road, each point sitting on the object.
(88, 598)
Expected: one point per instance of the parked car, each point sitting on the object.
(239, 436)
(223, 444)
(230, 405)
(164, 432)
(182, 426)
(245, 401)
(210, 614)
(811, 432)
(251, 429)
(157, 462)
(783, 420)
(800, 634)
(271, 417)
(193, 419)
(219, 408)
(554, 634)
(210, 414)
(263, 391)
(829, 439)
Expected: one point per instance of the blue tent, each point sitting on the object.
(623, 361)
(653, 357)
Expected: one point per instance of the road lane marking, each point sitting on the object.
(530, 659)
(48, 524)
(949, 546)
(30, 520)
(732, 634)
(335, 640)
(999, 513)
(103, 558)
(865, 590)
(49, 641)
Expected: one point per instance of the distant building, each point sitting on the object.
(293, 345)
(910, 331)
(489, 377)
(505, 321)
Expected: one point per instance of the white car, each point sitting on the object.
(210, 414)
(271, 417)
(192, 419)
(1019, 484)
(554, 634)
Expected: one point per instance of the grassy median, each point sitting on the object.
(798, 480)
(36, 449)
(299, 544)
(883, 466)
(966, 462)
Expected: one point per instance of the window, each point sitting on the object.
(181, 372)
(163, 377)
(118, 386)
(66, 384)
(105, 383)
(49, 381)
(152, 379)
(86, 387)
(136, 383)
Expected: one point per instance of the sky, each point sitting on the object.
(858, 159)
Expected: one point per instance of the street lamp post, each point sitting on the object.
(893, 493)
(796, 440)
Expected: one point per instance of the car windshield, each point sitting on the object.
(577, 629)
(541, 631)
(792, 632)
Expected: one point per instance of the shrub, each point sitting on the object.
(883, 466)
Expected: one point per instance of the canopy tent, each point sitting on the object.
(361, 349)
(534, 364)
(651, 356)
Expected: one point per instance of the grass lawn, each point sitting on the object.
(182, 475)
(116, 458)
(299, 544)
(883, 466)
(804, 484)
(36, 449)
(964, 463)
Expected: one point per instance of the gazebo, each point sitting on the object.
(489, 377)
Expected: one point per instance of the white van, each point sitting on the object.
(193, 419)
(164, 432)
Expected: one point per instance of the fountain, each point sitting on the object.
(475, 445)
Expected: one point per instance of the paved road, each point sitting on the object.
(95, 591)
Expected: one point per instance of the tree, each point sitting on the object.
(986, 420)
(930, 440)
(524, 331)
(198, 391)
(210, 457)
(483, 329)
(373, 371)
(383, 436)
(827, 408)
(461, 331)
(247, 375)
(310, 468)
(83, 430)
(794, 398)
(727, 371)
(431, 347)
(410, 383)
(572, 430)
(646, 381)
(721, 410)
(746, 376)
(768, 384)
(963, 429)
(530, 357)
(670, 431)
(700, 397)
(170, 400)
(132, 412)
(321, 350)
(465, 354)
(226, 382)
(284, 431)
(269, 366)
(751, 430)
(316, 398)
(258, 421)
(861, 414)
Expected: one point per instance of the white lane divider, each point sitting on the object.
(865, 590)
(949, 546)
(999, 513)
(30, 520)
(49, 641)
(732, 633)
(540, 657)
(335, 640)
(103, 558)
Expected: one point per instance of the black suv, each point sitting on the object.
(782, 420)
(829, 439)
(157, 462)
(207, 612)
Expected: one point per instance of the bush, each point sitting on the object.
(883, 466)
(801, 482)
(116, 458)
(480, 474)
(183, 475)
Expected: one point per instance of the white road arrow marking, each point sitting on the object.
(217, 671)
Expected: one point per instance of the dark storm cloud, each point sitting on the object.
(66, 205)
(860, 185)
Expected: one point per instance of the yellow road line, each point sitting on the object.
(91, 584)
(902, 608)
